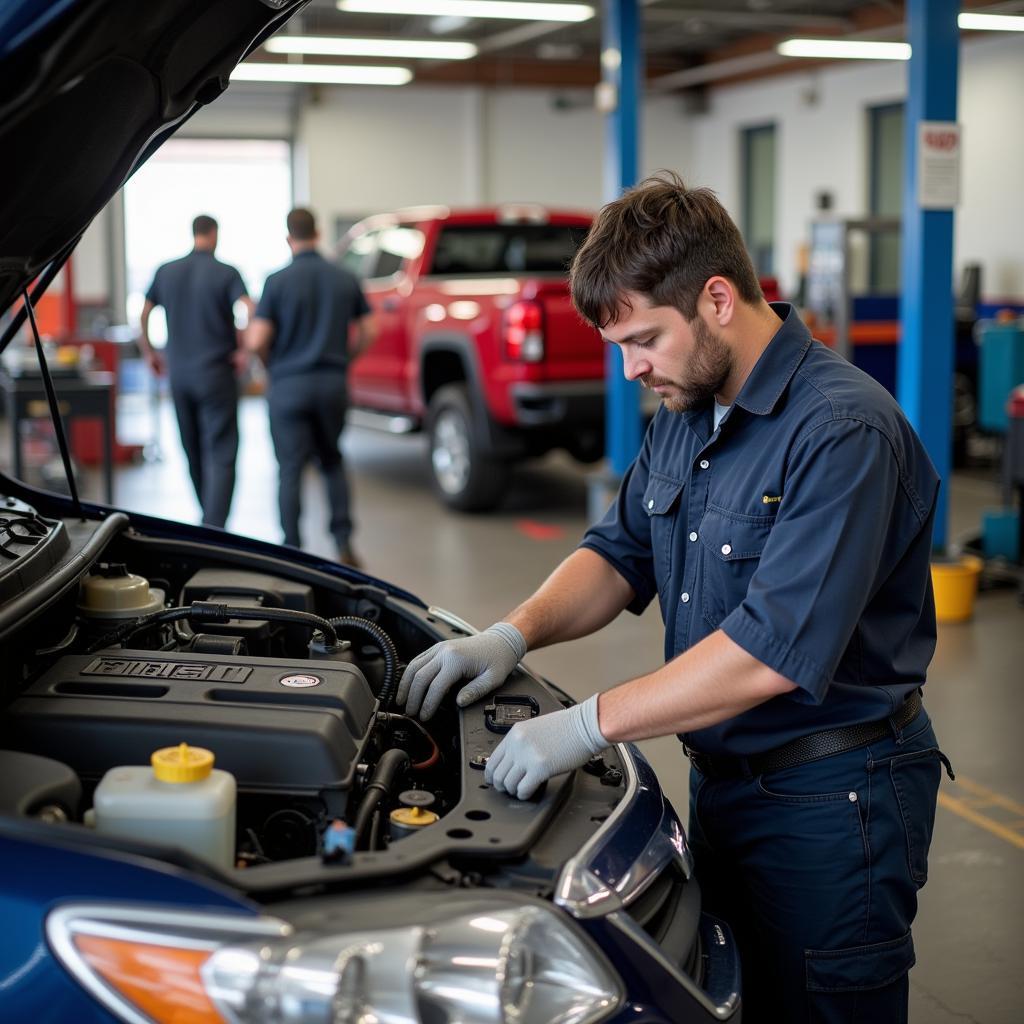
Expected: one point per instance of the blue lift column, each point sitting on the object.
(925, 367)
(621, 77)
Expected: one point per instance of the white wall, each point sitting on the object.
(366, 150)
(362, 150)
(990, 226)
(822, 144)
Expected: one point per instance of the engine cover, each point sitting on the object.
(279, 726)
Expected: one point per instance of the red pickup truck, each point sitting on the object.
(478, 342)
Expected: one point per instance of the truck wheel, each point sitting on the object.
(464, 477)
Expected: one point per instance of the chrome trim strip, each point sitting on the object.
(451, 619)
(129, 923)
(580, 891)
(557, 389)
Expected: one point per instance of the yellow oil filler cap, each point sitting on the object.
(182, 763)
(413, 817)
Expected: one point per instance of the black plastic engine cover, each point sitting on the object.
(278, 726)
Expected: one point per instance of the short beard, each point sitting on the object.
(708, 369)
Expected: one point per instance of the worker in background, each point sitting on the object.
(781, 511)
(311, 322)
(202, 359)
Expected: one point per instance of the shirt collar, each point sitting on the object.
(304, 253)
(774, 370)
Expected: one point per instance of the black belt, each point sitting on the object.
(807, 748)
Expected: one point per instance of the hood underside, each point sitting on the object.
(88, 90)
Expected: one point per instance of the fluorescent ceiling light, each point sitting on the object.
(327, 74)
(844, 48)
(336, 46)
(991, 22)
(472, 9)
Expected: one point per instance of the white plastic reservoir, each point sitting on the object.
(182, 800)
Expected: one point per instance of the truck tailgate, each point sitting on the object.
(573, 349)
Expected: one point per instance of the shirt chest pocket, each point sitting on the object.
(661, 504)
(732, 545)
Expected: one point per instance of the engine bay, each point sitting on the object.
(287, 676)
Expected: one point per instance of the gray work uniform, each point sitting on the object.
(197, 293)
(312, 304)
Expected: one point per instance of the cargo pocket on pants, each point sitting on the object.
(859, 968)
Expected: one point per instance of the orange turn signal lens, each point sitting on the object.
(162, 982)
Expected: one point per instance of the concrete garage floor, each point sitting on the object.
(970, 931)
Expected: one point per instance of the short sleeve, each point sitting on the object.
(155, 292)
(236, 286)
(266, 309)
(842, 525)
(623, 537)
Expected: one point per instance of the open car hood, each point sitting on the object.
(88, 90)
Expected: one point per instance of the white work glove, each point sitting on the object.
(486, 659)
(535, 750)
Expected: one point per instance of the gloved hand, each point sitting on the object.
(486, 659)
(535, 750)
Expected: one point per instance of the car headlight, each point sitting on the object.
(502, 965)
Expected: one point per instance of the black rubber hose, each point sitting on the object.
(390, 764)
(208, 611)
(129, 629)
(384, 643)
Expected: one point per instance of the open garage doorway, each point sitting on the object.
(245, 184)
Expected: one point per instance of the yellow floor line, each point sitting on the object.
(990, 796)
(958, 807)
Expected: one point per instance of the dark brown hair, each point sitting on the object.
(663, 240)
(302, 224)
(203, 225)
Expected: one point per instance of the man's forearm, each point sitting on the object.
(363, 335)
(583, 594)
(712, 681)
(144, 343)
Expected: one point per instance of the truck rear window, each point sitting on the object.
(506, 249)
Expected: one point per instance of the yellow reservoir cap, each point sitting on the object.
(413, 817)
(182, 763)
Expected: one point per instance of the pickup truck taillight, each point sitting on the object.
(524, 332)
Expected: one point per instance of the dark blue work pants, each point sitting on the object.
(307, 416)
(207, 410)
(817, 868)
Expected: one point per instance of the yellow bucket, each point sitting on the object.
(955, 585)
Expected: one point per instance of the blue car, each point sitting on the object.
(211, 810)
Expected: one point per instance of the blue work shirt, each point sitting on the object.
(197, 293)
(311, 303)
(801, 528)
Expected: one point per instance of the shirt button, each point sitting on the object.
(685, 598)
(704, 463)
(650, 504)
(693, 535)
(726, 549)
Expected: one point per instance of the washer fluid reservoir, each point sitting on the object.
(182, 800)
(112, 592)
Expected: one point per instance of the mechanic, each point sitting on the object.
(781, 510)
(312, 320)
(203, 356)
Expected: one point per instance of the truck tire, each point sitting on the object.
(464, 477)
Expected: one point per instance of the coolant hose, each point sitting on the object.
(387, 648)
(390, 764)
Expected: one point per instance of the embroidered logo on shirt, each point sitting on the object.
(771, 499)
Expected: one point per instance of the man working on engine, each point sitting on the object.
(781, 510)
